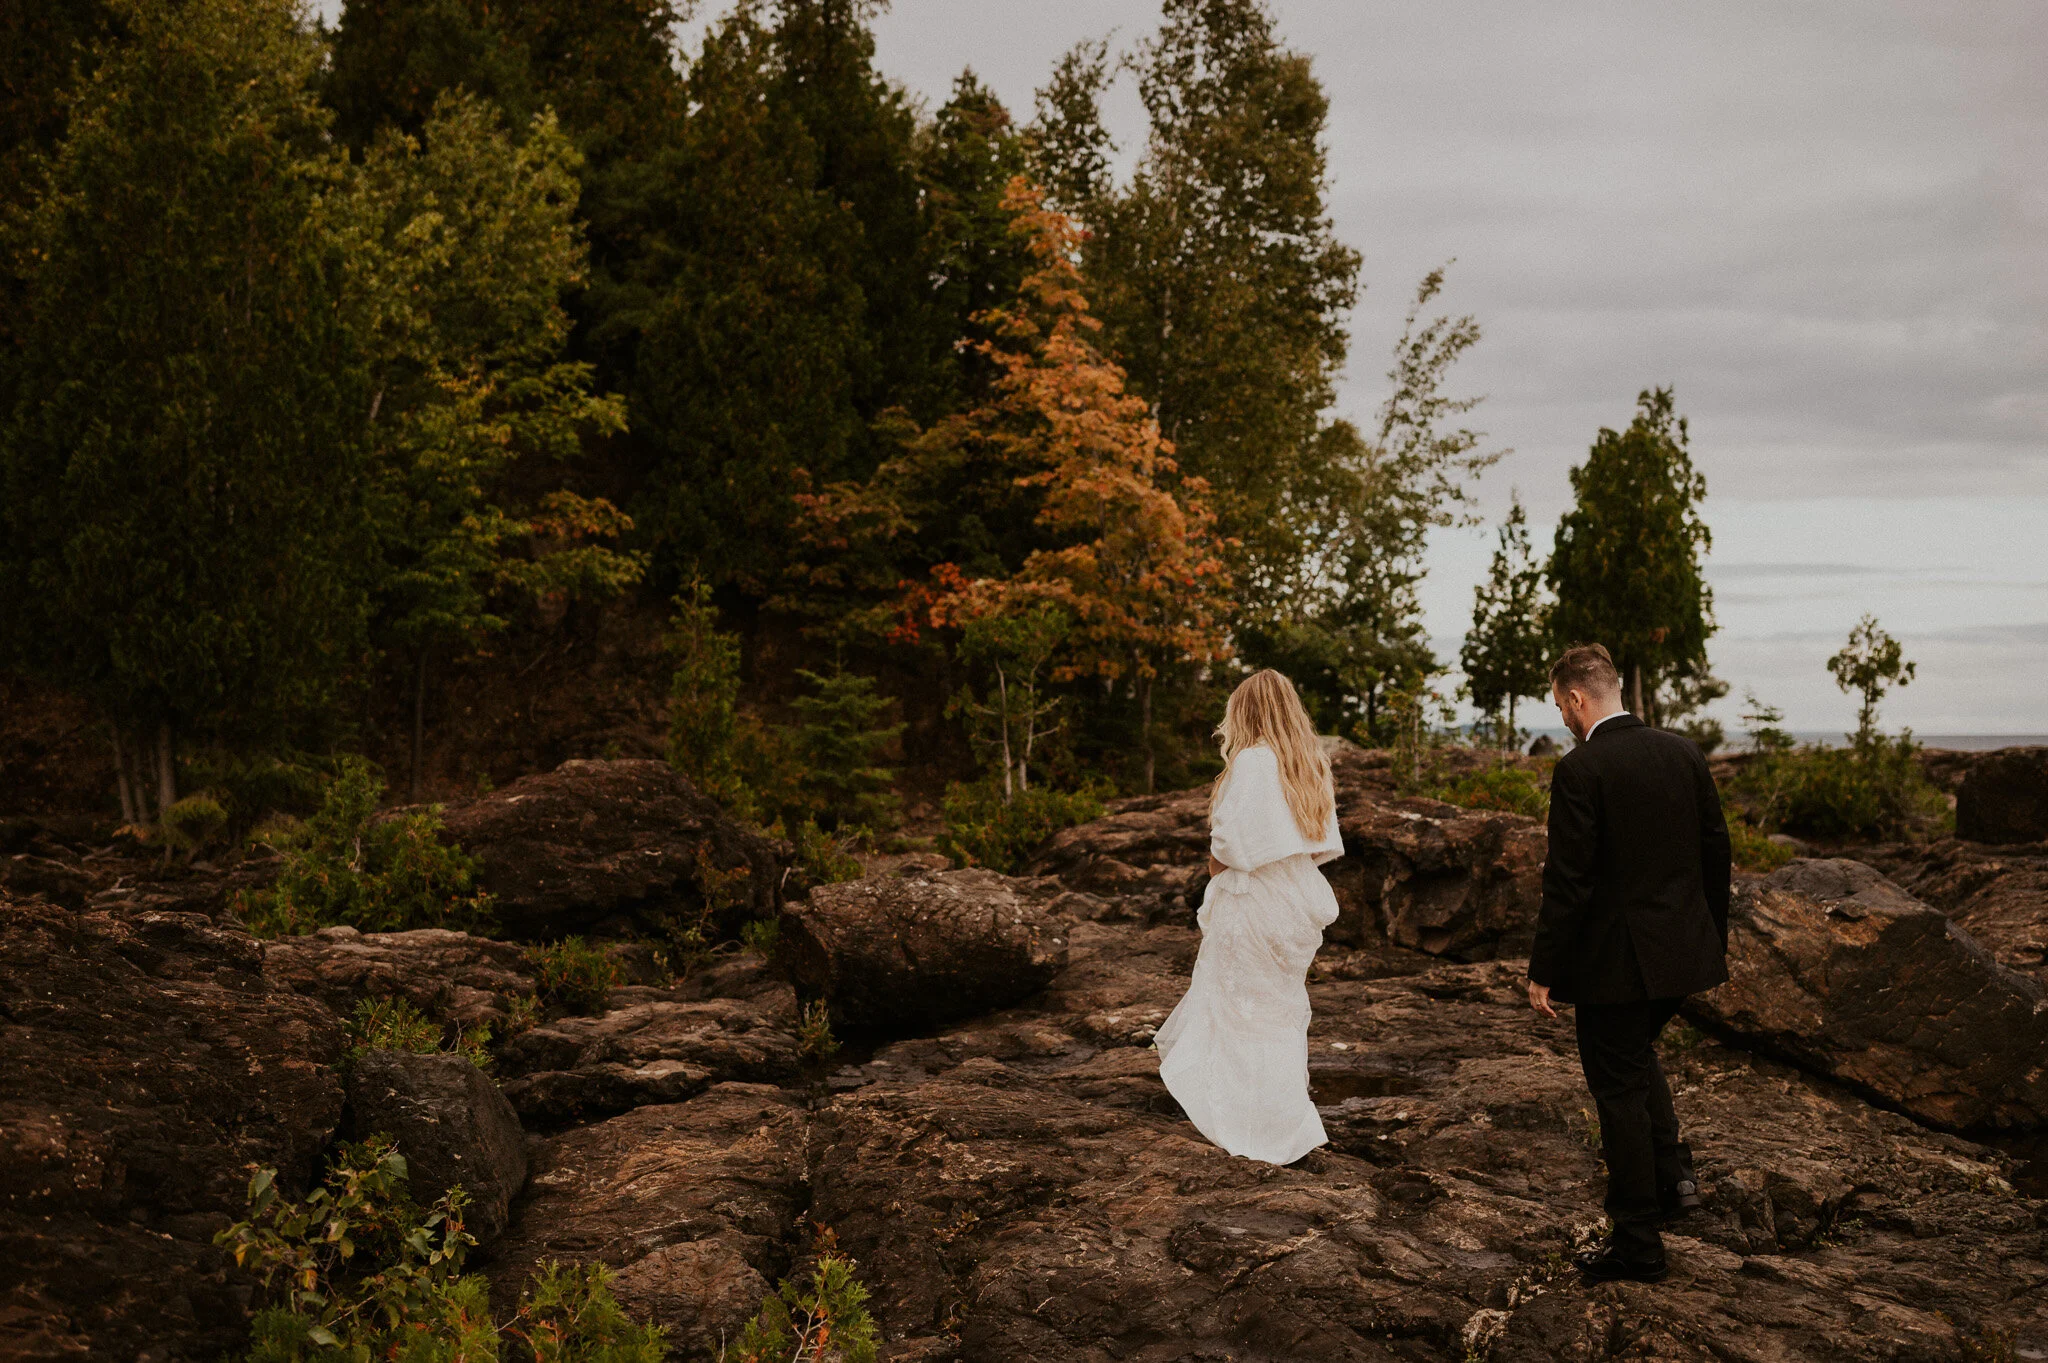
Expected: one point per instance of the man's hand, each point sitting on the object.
(1539, 999)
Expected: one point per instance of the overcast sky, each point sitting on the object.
(1822, 223)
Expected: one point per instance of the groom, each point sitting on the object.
(1634, 918)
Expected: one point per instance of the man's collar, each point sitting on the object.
(1601, 722)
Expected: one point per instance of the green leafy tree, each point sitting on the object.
(183, 460)
(1505, 656)
(1216, 270)
(1625, 568)
(461, 244)
(1871, 663)
(1011, 716)
(704, 696)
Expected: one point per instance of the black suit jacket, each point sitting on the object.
(1635, 885)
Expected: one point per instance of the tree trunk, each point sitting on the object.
(419, 719)
(1511, 740)
(121, 780)
(166, 770)
(1638, 706)
(1003, 708)
(1145, 727)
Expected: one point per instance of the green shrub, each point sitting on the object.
(825, 1320)
(1873, 788)
(346, 865)
(192, 822)
(359, 1272)
(840, 739)
(391, 1024)
(1514, 789)
(573, 975)
(821, 859)
(762, 935)
(984, 829)
(814, 1039)
(1752, 847)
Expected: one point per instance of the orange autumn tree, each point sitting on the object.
(1122, 545)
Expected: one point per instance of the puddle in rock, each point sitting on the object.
(1327, 1088)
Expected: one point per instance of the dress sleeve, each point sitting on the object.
(1253, 825)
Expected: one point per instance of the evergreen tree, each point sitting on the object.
(1625, 568)
(1871, 663)
(1217, 274)
(459, 252)
(183, 452)
(840, 737)
(1505, 655)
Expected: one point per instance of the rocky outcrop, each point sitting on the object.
(145, 1062)
(905, 953)
(1999, 895)
(1020, 1186)
(2004, 797)
(452, 1125)
(693, 1205)
(597, 846)
(444, 974)
(1837, 969)
(1435, 877)
(1418, 873)
(661, 1050)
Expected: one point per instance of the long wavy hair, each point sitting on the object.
(1265, 709)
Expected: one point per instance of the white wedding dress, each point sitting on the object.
(1234, 1051)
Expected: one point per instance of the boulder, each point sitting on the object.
(1148, 848)
(594, 844)
(902, 953)
(452, 1125)
(1436, 877)
(1839, 970)
(1999, 895)
(2004, 797)
(693, 1205)
(444, 974)
(661, 1050)
(145, 1063)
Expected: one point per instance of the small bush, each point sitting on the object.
(826, 1321)
(984, 829)
(193, 822)
(762, 935)
(1752, 847)
(358, 1271)
(1517, 790)
(346, 865)
(1873, 788)
(395, 1025)
(822, 859)
(573, 975)
(814, 1039)
(522, 1013)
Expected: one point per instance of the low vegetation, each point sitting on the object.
(347, 864)
(824, 1320)
(986, 826)
(395, 1025)
(358, 1270)
(572, 975)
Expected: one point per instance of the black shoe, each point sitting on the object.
(1606, 1265)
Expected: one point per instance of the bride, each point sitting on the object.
(1234, 1051)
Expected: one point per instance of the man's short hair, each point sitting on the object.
(1587, 668)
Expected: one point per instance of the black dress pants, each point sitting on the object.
(1618, 1050)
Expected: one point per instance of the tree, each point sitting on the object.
(1871, 663)
(840, 736)
(460, 245)
(1009, 719)
(183, 459)
(1216, 270)
(1625, 567)
(1504, 656)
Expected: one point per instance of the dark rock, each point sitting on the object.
(452, 1125)
(1149, 848)
(444, 974)
(693, 1205)
(1837, 969)
(1999, 895)
(896, 954)
(661, 1050)
(61, 881)
(1435, 877)
(2004, 797)
(1543, 746)
(606, 843)
(145, 1063)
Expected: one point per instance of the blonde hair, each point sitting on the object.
(1264, 709)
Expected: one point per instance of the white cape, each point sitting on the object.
(1234, 1051)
